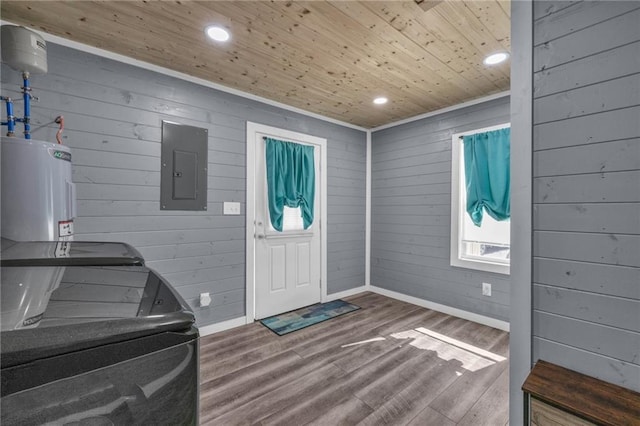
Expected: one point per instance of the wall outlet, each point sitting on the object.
(205, 299)
(231, 207)
(486, 289)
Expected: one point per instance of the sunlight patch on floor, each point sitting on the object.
(375, 339)
(462, 345)
(471, 357)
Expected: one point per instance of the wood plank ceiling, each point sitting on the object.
(328, 57)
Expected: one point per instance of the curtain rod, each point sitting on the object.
(462, 137)
(264, 138)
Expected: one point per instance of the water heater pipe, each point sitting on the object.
(26, 95)
(11, 120)
(59, 120)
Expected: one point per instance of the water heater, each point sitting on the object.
(38, 195)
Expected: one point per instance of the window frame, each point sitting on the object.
(457, 210)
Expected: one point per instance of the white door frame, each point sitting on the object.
(250, 210)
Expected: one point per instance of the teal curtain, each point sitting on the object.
(291, 180)
(486, 167)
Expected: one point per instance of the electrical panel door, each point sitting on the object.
(183, 176)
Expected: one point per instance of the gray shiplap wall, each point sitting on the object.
(586, 188)
(113, 114)
(411, 213)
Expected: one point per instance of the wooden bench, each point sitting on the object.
(557, 396)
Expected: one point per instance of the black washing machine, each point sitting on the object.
(68, 253)
(89, 335)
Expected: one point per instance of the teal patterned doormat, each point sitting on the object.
(296, 320)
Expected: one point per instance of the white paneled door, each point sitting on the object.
(287, 264)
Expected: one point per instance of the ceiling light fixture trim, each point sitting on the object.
(380, 100)
(496, 58)
(217, 33)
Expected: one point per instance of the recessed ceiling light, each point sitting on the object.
(496, 58)
(381, 100)
(217, 33)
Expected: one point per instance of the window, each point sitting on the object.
(291, 220)
(484, 247)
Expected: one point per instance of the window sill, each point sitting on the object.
(496, 268)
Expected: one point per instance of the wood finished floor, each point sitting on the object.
(378, 365)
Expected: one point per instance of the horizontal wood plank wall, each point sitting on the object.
(113, 114)
(411, 195)
(586, 194)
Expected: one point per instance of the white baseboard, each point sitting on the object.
(222, 326)
(346, 293)
(480, 319)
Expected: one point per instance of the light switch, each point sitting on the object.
(231, 207)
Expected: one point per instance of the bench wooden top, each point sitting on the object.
(593, 399)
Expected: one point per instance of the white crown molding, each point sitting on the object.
(443, 110)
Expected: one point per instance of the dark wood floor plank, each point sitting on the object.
(235, 340)
(215, 402)
(409, 402)
(449, 325)
(458, 399)
(225, 350)
(226, 392)
(501, 346)
(347, 413)
(341, 390)
(493, 407)
(213, 368)
(392, 381)
(371, 366)
(246, 331)
(223, 384)
(430, 417)
(255, 380)
(263, 346)
(358, 332)
(411, 320)
(365, 353)
(477, 335)
(285, 396)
